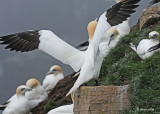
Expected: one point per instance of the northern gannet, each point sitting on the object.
(113, 35)
(21, 104)
(35, 96)
(48, 42)
(144, 45)
(153, 2)
(38, 93)
(52, 78)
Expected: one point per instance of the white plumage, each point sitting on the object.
(104, 48)
(66, 109)
(54, 46)
(38, 93)
(52, 78)
(20, 105)
(145, 44)
(35, 96)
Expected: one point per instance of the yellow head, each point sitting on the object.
(119, 1)
(55, 70)
(91, 29)
(154, 35)
(20, 91)
(32, 83)
(112, 33)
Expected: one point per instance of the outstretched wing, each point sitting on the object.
(113, 16)
(121, 11)
(46, 41)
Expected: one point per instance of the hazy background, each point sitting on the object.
(67, 18)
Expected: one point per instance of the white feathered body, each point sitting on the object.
(87, 70)
(66, 109)
(51, 81)
(123, 28)
(105, 48)
(18, 106)
(98, 63)
(36, 96)
(143, 46)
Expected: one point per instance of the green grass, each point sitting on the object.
(123, 66)
(49, 106)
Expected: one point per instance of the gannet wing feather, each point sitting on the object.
(113, 16)
(46, 41)
(121, 11)
(153, 48)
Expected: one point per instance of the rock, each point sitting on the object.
(150, 16)
(101, 100)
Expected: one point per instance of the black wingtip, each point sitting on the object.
(121, 11)
(23, 42)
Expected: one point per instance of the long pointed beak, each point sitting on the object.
(111, 38)
(28, 89)
(50, 72)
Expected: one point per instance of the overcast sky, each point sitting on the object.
(67, 18)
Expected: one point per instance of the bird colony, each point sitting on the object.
(104, 33)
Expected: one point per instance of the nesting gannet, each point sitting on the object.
(144, 45)
(52, 78)
(113, 35)
(38, 93)
(35, 96)
(153, 2)
(21, 104)
(48, 42)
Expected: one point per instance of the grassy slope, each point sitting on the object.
(123, 66)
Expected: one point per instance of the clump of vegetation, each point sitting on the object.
(123, 66)
(49, 106)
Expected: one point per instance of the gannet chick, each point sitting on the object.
(38, 93)
(52, 78)
(144, 45)
(21, 104)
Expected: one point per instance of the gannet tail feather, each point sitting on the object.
(3, 106)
